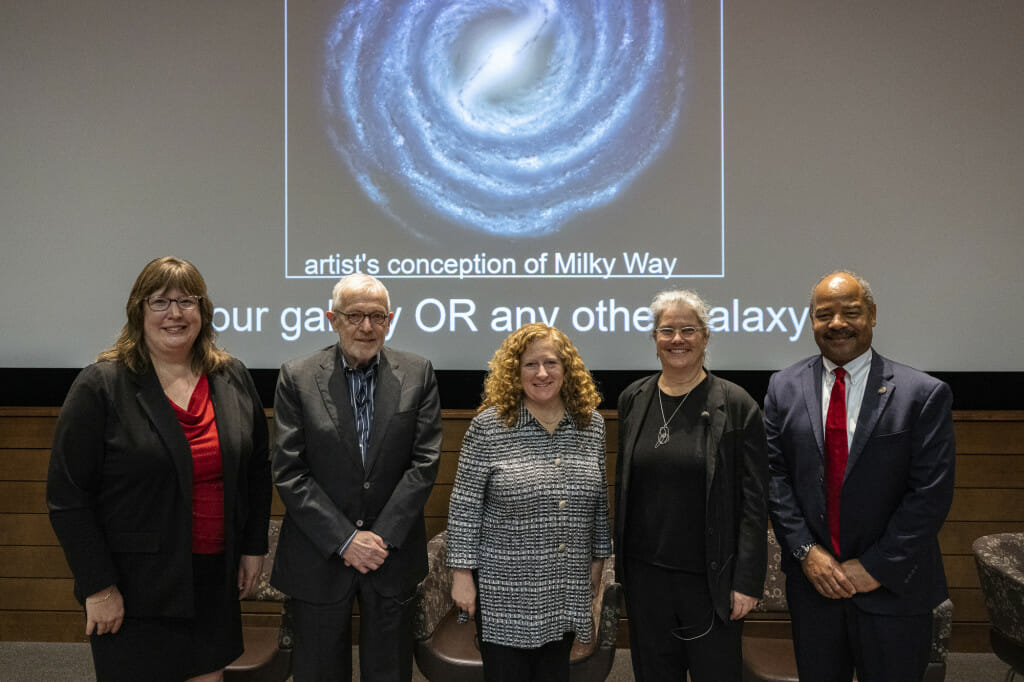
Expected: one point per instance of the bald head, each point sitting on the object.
(842, 316)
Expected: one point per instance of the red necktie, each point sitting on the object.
(836, 452)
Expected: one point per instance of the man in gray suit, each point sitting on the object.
(358, 438)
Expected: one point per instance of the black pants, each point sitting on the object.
(548, 663)
(323, 638)
(832, 637)
(673, 629)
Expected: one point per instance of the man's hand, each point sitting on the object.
(366, 552)
(825, 573)
(249, 568)
(464, 590)
(741, 605)
(104, 612)
(859, 576)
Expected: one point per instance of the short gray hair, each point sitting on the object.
(664, 300)
(359, 283)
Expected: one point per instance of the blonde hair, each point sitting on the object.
(161, 274)
(503, 387)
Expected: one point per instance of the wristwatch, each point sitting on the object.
(801, 552)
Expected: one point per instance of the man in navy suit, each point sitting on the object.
(357, 443)
(861, 458)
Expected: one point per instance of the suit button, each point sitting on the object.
(714, 565)
(711, 531)
(366, 485)
(562, 504)
(561, 547)
(359, 523)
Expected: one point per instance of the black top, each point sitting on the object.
(668, 485)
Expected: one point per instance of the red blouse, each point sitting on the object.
(200, 426)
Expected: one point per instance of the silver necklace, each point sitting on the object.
(663, 434)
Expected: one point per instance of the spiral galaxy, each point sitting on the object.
(507, 117)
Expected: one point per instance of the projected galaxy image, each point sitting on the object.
(505, 117)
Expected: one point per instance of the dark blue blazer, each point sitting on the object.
(897, 488)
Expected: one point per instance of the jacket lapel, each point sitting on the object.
(154, 403)
(877, 390)
(334, 391)
(715, 429)
(229, 420)
(385, 404)
(812, 400)
(641, 403)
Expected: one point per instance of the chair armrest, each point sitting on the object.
(606, 606)
(942, 629)
(434, 593)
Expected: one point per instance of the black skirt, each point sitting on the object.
(175, 649)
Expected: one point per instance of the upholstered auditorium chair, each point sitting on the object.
(1000, 561)
(446, 651)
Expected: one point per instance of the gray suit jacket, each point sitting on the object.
(897, 488)
(328, 493)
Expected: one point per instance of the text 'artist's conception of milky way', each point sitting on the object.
(507, 117)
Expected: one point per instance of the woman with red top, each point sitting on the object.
(159, 487)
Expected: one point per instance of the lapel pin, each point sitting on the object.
(882, 389)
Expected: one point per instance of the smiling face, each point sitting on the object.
(841, 317)
(361, 342)
(541, 372)
(169, 334)
(681, 357)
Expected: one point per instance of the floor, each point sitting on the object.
(63, 662)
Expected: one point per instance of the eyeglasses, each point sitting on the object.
(158, 304)
(356, 319)
(669, 333)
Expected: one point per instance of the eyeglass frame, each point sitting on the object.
(687, 333)
(384, 317)
(191, 300)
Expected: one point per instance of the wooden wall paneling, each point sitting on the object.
(35, 584)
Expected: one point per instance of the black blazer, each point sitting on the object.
(327, 492)
(736, 470)
(898, 485)
(119, 487)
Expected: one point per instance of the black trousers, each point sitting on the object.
(832, 638)
(548, 663)
(673, 629)
(323, 637)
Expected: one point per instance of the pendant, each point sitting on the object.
(662, 435)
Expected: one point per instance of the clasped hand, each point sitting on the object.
(366, 552)
(836, 580)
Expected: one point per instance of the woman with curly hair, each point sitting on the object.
(528, 522)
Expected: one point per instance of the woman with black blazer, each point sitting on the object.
(159, 487)
(691, 505)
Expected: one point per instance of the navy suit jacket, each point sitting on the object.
(119, 487)
(327, 491)
(897, 488)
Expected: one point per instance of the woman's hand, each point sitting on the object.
(249, 568)
(104, 612)
(741, 605)
(464, 590)
(596, 569)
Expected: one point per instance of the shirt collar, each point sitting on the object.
(855, 369)
(371, 367)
